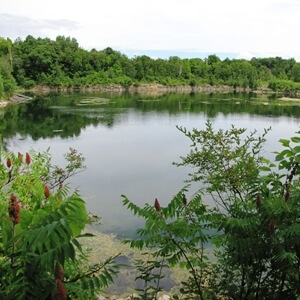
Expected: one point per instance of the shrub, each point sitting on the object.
(252, 220)
(1, 86)
(284, 86)
(28, 83)
(40, 255)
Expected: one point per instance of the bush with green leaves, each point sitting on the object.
(150, 273)
(176, 234)
(257, 211)
(1, 86)
(251, 216)
(287, 86)
(40, 255)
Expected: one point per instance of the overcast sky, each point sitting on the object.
(160, 28)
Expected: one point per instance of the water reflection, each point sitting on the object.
(130, 141)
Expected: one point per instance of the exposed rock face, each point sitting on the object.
(3, 103)
(18, 98)
(143, 88)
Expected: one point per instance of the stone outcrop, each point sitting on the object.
(142, 88)
(3, 103)
(18, 98)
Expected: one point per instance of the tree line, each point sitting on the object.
(63, 63)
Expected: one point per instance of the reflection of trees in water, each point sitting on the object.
(64, 116)
(39, 120)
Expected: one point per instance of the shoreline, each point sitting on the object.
(289, 99)
(147, 88)
(157, 89)
(3, 103)
(16, 98)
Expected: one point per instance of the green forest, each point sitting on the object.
(63, 63)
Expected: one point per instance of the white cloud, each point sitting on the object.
(20, 26)
(232, 26)
(245, 55)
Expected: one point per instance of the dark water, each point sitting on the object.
(130, 141)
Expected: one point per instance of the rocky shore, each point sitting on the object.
(16, 98)
(148, 89)
(3, 103)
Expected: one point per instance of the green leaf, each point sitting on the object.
(282, 154)
(279, 157)
(265, 169)
(103, 279)
(295, 139)
(87, 234)
(296, 149)
(108, 276)
(284, 142)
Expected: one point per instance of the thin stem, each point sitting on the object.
(13, 245)
(253, 276)
(201, 259)
(159, 277)
(242, 283)
(217, 202)
(145, 280)
(282, 283)
(63, 179)
(95, 270)
(191, 265)
(258, 285)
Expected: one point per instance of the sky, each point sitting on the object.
(163, 28)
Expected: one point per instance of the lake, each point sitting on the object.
(130, 140)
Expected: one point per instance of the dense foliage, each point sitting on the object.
(40, 255)
(41, 61)
(7, 81)
(251, 216)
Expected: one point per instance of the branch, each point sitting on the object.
(95, 270)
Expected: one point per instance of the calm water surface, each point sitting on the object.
(130, 141)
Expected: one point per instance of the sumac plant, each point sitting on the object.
(247, 209)
(176, 234)
(40, 256)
